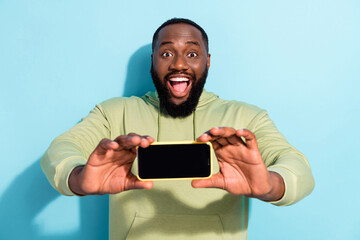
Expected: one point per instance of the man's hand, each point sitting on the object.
(242, 170)
(108, 170)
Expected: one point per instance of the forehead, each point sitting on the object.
(179, 32)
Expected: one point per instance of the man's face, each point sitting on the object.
(179, 66)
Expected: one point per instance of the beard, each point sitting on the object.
(185, 108)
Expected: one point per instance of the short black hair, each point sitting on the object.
(181, 20)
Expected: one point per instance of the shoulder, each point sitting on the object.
(119, 107)
(117, 103)
(236, 114)
(211, 100)
(238, 107)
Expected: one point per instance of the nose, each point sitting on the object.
(178, 64)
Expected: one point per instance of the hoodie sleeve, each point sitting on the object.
(279, 156)
(73, 148)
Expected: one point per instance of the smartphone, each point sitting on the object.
(174, 161)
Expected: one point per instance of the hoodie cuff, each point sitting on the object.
(290, 182)
(62, 174)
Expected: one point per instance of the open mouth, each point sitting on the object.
(179, 84)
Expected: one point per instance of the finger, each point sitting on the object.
(223, 136)
(132, 134)
(105, 145)
(146, 141)
(222, 141)
(222, 132)
(235, 140)
(219, 142)
(128, 141)
(133, 139)
(249, 137)
(205, 137)
(149, 138)
(214, 133)
(216, 181)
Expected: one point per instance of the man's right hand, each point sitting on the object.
(108, 170)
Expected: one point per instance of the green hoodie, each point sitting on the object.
(173, 209)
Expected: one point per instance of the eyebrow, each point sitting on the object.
(187, 43)
(193, 42)
(165, 43)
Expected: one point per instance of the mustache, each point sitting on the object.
(192, 76)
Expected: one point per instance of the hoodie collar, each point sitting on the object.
(205, 98)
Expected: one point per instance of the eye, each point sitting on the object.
(166, 54)
(192, 55)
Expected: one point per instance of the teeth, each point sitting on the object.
(179, 79)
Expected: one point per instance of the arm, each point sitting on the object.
(82, 154)
(281, 157)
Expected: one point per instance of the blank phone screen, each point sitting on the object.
(174, 161)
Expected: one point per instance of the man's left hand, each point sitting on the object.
(242, 169)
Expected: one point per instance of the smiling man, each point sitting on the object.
(253, 159)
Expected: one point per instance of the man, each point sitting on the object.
(253, 158)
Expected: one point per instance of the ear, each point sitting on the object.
(208, 61)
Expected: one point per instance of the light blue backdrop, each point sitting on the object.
(300, 60)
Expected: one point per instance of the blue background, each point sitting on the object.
(300, 60)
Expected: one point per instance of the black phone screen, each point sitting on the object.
(174, 161)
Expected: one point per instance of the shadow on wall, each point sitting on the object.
(29, 193)
(138, 79)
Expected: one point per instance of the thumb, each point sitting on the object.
(143, 184)
(135, 183)
(216, 181)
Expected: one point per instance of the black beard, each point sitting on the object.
(188, 106)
